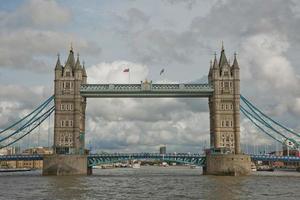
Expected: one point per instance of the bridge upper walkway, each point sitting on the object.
(146, 89)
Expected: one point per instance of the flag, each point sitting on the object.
(126, 70)
(162, 71)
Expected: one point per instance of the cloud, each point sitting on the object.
(27, 49)
(113, 72)
(36, 13)
(28, 36)
(157, 46)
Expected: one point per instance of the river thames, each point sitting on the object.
(150, 183)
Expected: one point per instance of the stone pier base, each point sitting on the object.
(61, 165)
(227, 165)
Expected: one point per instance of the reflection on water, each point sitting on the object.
(150, 183)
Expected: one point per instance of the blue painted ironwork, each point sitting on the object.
(35, 123)
(43, 105)
(275, 158)
(146, 89)
(262, 122)
(250, 105)
(21, 157)
(193, 159)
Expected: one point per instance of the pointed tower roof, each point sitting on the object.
(83, 70)
(58, 65)
(215, 65)
(235, 64)
(77, 65)
(210, 68)
(223, 59)
(71, 59)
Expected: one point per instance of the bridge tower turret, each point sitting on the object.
(69, 122)
(224, 105)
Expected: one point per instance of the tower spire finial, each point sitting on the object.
(71, 48)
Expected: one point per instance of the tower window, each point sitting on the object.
(226, 84)
(68, 74)
(227, 123)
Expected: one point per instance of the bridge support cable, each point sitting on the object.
(27, 123)
(267, 128)
(258, 126)
(27, 116)
(250, 105)
(263, 122)
(37, 122)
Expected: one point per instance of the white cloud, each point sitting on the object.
(113, 72)
(263, 59)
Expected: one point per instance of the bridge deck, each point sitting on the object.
(185, 158)
(146, 89)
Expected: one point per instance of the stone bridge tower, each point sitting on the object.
(224, 104)
(224, 107)
(69, 120)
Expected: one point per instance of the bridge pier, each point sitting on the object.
(227, 164)
(61, 165)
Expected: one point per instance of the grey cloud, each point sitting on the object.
(156, 46)
(27, 49)
(241, 18)
(36, 13)
(188, 3)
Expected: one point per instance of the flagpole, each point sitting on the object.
(129, 77)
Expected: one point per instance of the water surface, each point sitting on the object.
(150, 183)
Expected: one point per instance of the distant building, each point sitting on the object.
(10, 151)
(32, 164)
(38, 150)
(163, 149)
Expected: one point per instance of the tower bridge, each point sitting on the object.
(71, 92)
(222, 90)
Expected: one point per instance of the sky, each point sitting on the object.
(180, 36)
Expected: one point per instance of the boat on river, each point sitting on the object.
(14, 170)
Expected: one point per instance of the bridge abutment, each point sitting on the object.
(227, 165)
(62, 165)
